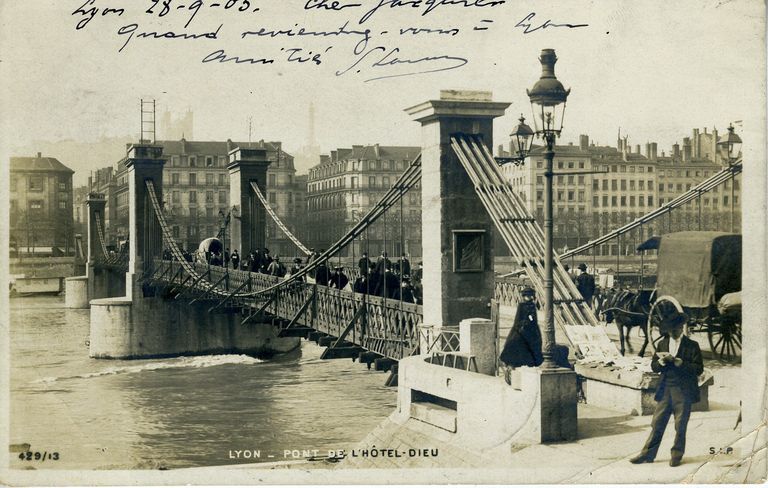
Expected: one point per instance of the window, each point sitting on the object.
(650, 200)
(581, 179)
(539, 180)
(560, 165)
(614, 201)
(209, 161)
(688, 186)
(605, 200)
(192, 161)
(371, 182)
(614, 185)
(290, 197)
(581, 164)
(595, 185)
(570, 179)
(385, 182)
(581, 195)
(641, 200)
(193, 197)
(176, 233)
(631, 169)
(385, 165)
(706, 174)
(570, 196)
(175, 197)
(570, 165)
(35, 205)
(679, 187)
(595, 201)
(650, 170)
(222, 161)
(605, 185)
(631, 184)
(650, 184)
(560, 196)
(35, 183)
(539, 196)
(62, 204)
(209, 197)
(222, 197)
(539, 164)
(623, 185)
(353, 182)
(209, 178)
(272, 197)
(560, 180)
(641, 169)
(622, 169)
(193, 179)
(175, 178)
(174, 160)
(641, 185)
(62, 186)
(687, 174)
(222, 179)
(272, 180)
(631, 200)
(623, 201)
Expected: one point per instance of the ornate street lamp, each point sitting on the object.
(521, 140)
(729, 148)
(548, 97)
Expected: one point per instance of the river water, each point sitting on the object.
(179, 412)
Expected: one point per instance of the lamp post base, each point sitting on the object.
(557, 405)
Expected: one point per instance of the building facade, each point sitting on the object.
(347, 184)
(196, 192)
(40, 205)
(619, 185)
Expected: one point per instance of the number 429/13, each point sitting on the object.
(39, 456)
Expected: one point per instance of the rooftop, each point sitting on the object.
(38, 164)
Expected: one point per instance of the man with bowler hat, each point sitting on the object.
(678, 359)
(585, 283)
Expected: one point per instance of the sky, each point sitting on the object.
(656, 69)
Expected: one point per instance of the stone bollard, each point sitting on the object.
(478, 338)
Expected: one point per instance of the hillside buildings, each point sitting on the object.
(40, 205)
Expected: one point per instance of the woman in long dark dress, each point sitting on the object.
(523, 344)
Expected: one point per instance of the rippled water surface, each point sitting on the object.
(180, 412)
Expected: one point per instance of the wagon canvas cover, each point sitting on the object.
(697, 268)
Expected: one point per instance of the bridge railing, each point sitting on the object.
(386, 326)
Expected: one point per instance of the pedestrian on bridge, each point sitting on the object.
(227, 257)
(266, 260)
(339, 280)
(405, 266)
(235, 259)
(276, 268)
(296, 267)
(523, 344)
(322, 274)
(364, 265)
(679, 361)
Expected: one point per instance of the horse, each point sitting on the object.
(628, 309)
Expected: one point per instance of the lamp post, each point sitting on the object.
(729, 147)
(548, 97)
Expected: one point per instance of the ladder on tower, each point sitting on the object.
(147, 121)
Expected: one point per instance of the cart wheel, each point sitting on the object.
(663, 306)
(725, 339)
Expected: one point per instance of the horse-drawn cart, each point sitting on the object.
(699, 273)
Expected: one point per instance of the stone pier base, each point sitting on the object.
(147, 327)
(76, 292)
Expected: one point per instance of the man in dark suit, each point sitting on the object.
(678, 359)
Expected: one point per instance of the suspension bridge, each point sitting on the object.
(172, 306)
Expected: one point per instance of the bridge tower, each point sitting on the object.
(145, 162)
(458, 256)
(248, 227)
(97, 287)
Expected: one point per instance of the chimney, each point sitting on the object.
(686, 149)
(675, 151)
(637, 148)
(229, 146)
(715, 156)
(648, 150)
(583, 142)
(696, 144)
(654, 149)
(500, 150)
(39, 155)
(376, 150)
